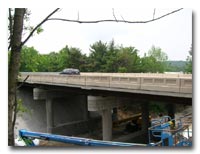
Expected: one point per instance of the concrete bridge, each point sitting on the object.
(73, 96)
(178, 85)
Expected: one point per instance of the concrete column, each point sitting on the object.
(104, 105)
(49, 115)
(145, 120)
(85, 107)
(107, 124)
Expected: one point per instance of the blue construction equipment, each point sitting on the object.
(163, 132)
(28, 136)
(171, 132)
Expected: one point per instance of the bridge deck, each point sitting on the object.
(179, 85)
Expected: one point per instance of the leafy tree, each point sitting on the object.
(53, 62)
(63, 57)
(160, 57)
(14, 64)
(135, 60)
(75, 58)
(111, 58)
(127, 58)
(157, 53)
(124, 60)
(29, 61)
(16, 26)
(148, 64)
(188, 68)
(97, 56)
(43, 63)
(122, 70)
(103, 58)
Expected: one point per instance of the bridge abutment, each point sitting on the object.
(53, 111)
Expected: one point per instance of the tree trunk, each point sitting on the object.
(13, 71)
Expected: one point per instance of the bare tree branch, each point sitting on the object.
(15, 111)
(23, 82)
(10, 26)
(111, 20)
(31, 33)
(95, 21)
(122, 18)
(10, 22)
(114, 14)
(78, 16)
(154, 11)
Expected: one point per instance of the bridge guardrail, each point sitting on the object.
(138, 81)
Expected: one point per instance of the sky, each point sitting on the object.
(173, 33)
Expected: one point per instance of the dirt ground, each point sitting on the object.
(55, 144)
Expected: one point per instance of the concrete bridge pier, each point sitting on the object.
(107, 124)
(104, 105)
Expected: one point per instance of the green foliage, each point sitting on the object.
(27, 27)
(103, 57)
(21, 108)
(148, 64)
(27, 141)
(128, 58)
(29, 61)
(157, 53)
(188, 68)
(98, 56)
(157, 59)
(74, 58)
(157, 108)
(39, 30)
(111, 58)
(122, 69)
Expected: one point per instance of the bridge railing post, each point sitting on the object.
(185, 85)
